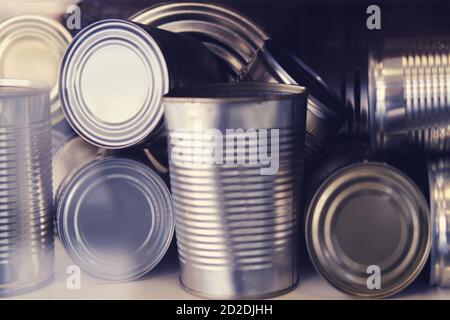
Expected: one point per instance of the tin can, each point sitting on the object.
(368, 230)
(115, 218)
(407, 95)
(438, 173)
(32, 47)
(114, 74)
(325, 115)
(231, 36)
(236, 224)
(26, 201)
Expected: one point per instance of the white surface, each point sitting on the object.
(162, 283)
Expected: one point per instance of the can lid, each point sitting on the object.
(115, 218)
(368, 222)
(231, 36)
(32, 47)
(112, 80)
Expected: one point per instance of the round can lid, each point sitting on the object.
(32, 47)
(115, 218)
(231, 36)
(368, 230)
(112, 80)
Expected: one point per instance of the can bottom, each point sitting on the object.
(27, 288)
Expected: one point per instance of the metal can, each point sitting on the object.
(231, 36)
(438, 173)
(407, 95)
(325, 115)
(115, 218)
(368, 230)
(32, 47)
(114, 74)
(26, 201)
(236, 225)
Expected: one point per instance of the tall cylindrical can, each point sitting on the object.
(115, 218)
(115, 73)
(26, 201)
(407, 88)
(325, 114)
(439, 179)
(236, 212)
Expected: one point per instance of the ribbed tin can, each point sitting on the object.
(368, 230)
(236, 226)
(26, 201)
(231, 36)
(325, 114)
(439, 179)
(115, 218)
(115, 73)
(408, 87)
(32, 47)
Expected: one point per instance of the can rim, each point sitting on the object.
(326, 274)
(26, 88)
(134, 130)
(74, 183)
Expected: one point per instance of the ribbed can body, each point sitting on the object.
(237, 229)
(409, 86)
(26, 221)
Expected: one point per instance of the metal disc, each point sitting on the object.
(367, 219)
(231, 36)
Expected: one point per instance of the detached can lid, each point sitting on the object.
(32, 47)
(368, 230)
(115, 218)
(112, 81)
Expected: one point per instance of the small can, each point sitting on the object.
(231, 36)
(439, 179)
(325, 114)
(32, 47)
(115, 218)
(368, 230)
(115, 73)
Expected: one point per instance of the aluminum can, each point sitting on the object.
(325, 115)
(407, 89)
(26, 201)
(115, 218)
(236, 226)
(114, 74)
(368, 230)
(32, 47)
(231, 36)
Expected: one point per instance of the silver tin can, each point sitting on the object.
(236, 227)
(407, 91)
(115, 218)
(115, 73)
(439, 178)
(32, 47)
(325, 115)
(368, 230)
(26, 201)
(228, 34)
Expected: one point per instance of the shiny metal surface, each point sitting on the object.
(439, 175)
(231, 36)
(115, 73)
(408, 83)
(26, 221)
(115, 218)
(368, 214)
(325, 114)
(237, 230)
(32, 47)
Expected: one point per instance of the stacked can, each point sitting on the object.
(236, 213)
(26, 222)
